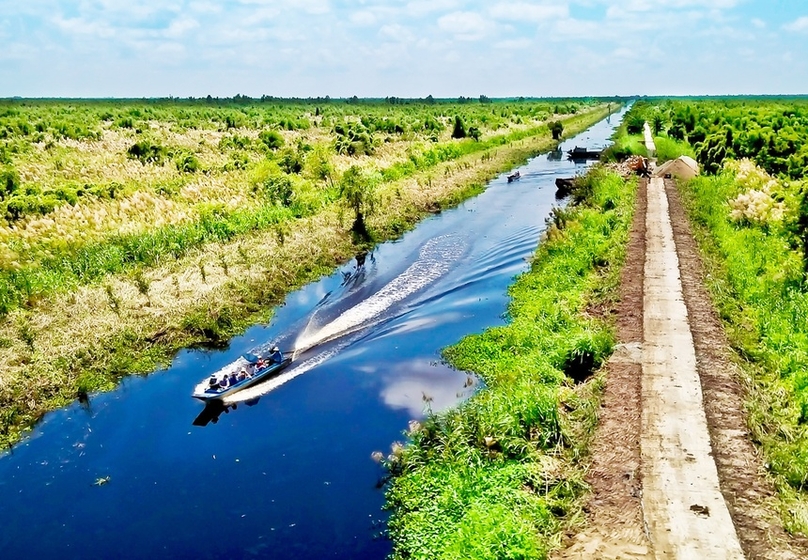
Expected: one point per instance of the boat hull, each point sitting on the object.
(208, 394)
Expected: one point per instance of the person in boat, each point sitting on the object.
(232, 379)
(275, 355)
(213, 382)
(223, 383)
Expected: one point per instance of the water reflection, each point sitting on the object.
(419, 386)
(214, 409)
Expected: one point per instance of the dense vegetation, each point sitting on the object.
(751, 218)
(132, 229)
(499, 477)
(88, 189)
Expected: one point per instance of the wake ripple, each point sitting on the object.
(435, 259)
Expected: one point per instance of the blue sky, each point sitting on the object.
(406, 48)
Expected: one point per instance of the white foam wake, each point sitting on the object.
(271, 384)
(435, 259)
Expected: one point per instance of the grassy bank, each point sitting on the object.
(756, 278)
(133, 301)
(502, 475)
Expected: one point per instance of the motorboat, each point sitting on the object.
(250, 369)
(582, 154)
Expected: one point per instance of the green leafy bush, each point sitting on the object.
(9, 182)
(459, 128)
(146, 151)
(186, 162)
(272, 139)
(471, 482)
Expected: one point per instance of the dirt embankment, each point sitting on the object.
(618, 526)
(614, 511)
(746, 491)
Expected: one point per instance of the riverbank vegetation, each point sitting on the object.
(131, 229)
(750, 216)
(502, 475)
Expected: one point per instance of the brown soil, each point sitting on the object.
(746, 491)
(614, 514)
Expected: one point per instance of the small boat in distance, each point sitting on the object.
(582, 154)
(249, 370)
(514, 176)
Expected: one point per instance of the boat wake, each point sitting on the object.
(435, 259)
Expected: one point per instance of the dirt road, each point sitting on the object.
(674, 473)
(682, 503)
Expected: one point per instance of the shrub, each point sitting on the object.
(187, 163)
(557, 128)
(291, 161)
(272, 139)
(9, 182)
(125, 122)
(459, 130)
(273, 184)
(19, 206)
(357, 191)
(146, 151)
(353, 139)
(431, 124)
(635, 122)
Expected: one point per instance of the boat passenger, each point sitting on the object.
(232, 380)
(276, 356)
(213, 382)
(223, 382)
(242, 375)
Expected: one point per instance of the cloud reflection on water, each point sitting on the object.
(408, 386)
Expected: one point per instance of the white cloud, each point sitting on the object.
(363, 18)
(800, 24)
(180, 26)
(514, 44)
(397, 32)
(384, 47)
(261, 16)
(523, 11)
(465, 26)
(628, 53)
(79, 26)
(420, 8)
(648, 5)
(578, 29)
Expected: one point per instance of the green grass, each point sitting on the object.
(756, 280)
(669, 148)
(501, 476)
(59, 267)
(624, 146)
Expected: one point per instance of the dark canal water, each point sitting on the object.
(287, 473)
